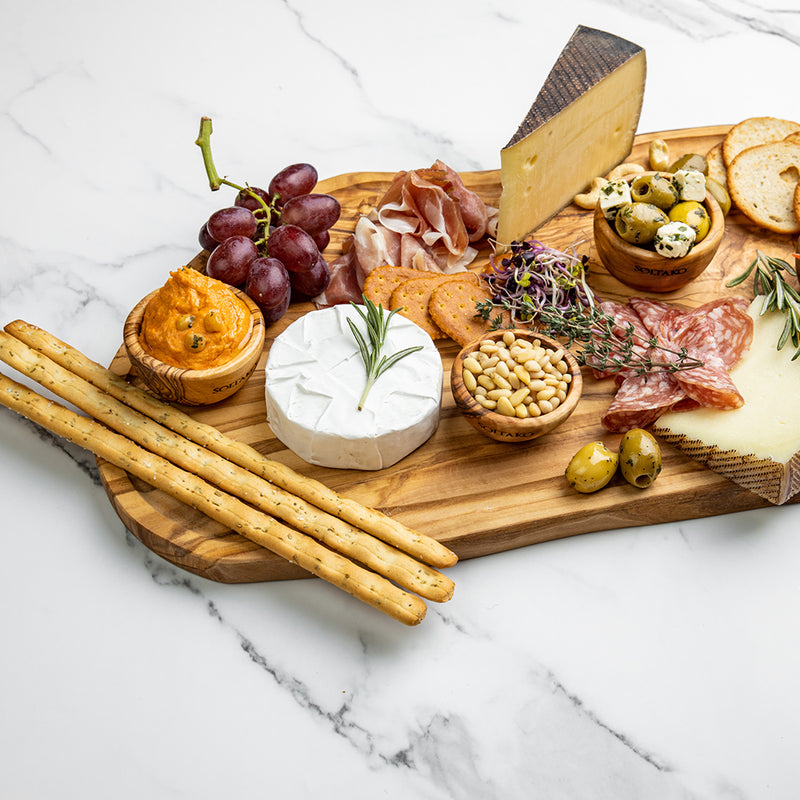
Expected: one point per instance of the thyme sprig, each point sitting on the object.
(377, 328)
(609, 347)
(778, 295)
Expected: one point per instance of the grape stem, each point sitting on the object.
(203, 141)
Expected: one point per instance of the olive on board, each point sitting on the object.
(637, 223)
(720, 194)
(692, 161)
(591, 468)
(694, 214)
(639, 458)
(656, 189)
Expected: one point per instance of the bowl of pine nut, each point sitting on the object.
(515, 385)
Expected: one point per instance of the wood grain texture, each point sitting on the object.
(476, 495)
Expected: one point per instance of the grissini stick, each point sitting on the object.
(424, 548)
(266, 531)
(332, 531)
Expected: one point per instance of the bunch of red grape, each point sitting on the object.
(270, 242)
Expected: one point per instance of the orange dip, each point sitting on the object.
(194, 322)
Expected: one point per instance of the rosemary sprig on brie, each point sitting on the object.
(377, 327)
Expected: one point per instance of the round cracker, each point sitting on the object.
(453, 308)
(755, 131)
(763, 182)
(382, 281)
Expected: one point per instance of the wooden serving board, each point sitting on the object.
(476, 495)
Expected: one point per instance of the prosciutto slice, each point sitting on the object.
(427, 220)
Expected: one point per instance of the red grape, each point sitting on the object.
(311, 283)
(246, 200)
(231, 221)
(274, 313)
(313, 213)
(294, 247)
(206, 242)
(292, 181)
(267, 282)
(231, 260)
(322, 240)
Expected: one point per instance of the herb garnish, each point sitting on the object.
(377, 327)
(778, 295)
(610, 347)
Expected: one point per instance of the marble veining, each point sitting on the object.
(657, 662)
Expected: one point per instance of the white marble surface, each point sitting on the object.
(659, 662)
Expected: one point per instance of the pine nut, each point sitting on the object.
(504, 407)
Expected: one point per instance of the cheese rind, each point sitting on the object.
(314, 379)
(581, 124)
(758, 444)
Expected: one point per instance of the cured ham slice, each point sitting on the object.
(427, 220)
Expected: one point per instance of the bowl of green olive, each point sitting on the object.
(657, 231)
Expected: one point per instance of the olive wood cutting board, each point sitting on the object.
(476, 495)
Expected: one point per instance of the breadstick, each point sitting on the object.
(230, 511)
(330, 530)
(424, 548)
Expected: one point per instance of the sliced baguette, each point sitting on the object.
(762, 182)
(755, 131)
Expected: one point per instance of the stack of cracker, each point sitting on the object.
(443, 305)
(759, 162)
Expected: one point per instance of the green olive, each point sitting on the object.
(637, 223)
(591, 468)
(639, 458)
(720, 194)
(694, 214)
(656, 189)
(691, 161)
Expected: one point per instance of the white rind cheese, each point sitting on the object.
(315, 377)
(757, 445)
(581, 124)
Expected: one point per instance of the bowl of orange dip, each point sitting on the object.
(196, 340)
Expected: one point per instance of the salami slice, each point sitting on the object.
(721, 327)
(625, 319)
(651, 312)
(641, 400)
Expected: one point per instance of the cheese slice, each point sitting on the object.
(581, 125)
(315, 377)
(757, 445)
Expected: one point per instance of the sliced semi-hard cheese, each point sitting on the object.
(758, 444)
(581, 125)
(315, 377)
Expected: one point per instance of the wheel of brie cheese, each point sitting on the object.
(315, 376)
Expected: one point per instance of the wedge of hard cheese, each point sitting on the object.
(757, 445)
(581, 125)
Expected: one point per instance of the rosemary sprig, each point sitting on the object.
(377, 327)
(605, 349)
(768, 282)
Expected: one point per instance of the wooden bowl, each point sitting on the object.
(644, 269)
(194, 387)
(506, 428)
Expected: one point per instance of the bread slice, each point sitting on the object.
(762, 181)
(755, 131)
(716, 165)
(793, 138)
